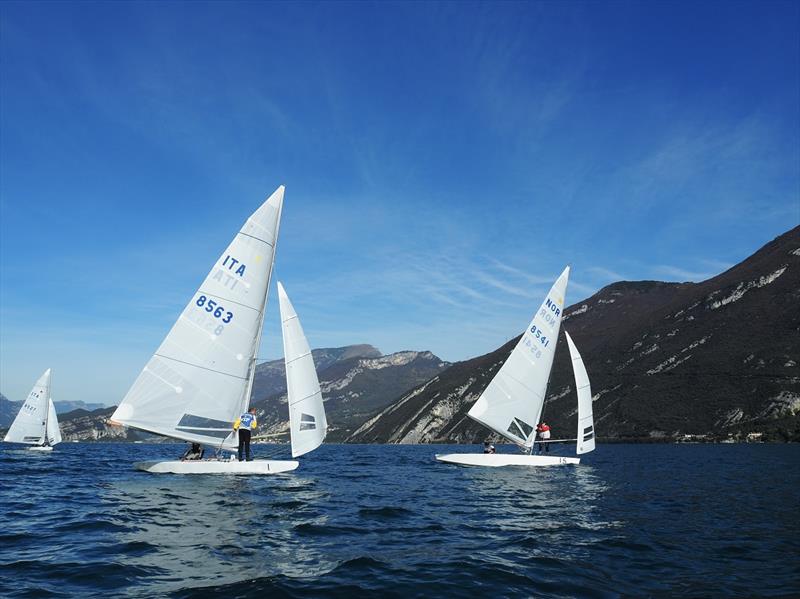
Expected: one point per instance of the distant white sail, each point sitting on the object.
(29, 425)
(307, 423)
(198, 381)
(585, 418)
(512, 402)
(53, 432)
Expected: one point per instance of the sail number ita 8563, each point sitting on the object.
(215, 309)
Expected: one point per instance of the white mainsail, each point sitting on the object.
(585, 418)
(512, 402)
(307, 423)
(30, 423)
(199, 379)
(53, 432)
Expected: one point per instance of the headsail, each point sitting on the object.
(53, 431)
(29, 425)
(196, 383)
(307, 422)
(585, 436)
(512, 402)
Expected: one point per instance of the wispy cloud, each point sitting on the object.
(606, 274)
(674, 272)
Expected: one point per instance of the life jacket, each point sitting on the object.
(246, 420)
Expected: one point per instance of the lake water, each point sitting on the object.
(389, 521)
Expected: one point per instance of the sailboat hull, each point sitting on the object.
(40, 448)
(496, 460)
(218, 467)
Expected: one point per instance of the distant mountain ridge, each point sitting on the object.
(270, 377)
(716, 359)
(9, 409)
(357, 383)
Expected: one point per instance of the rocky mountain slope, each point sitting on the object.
(717, 359)
(270, 378)
(353, 387)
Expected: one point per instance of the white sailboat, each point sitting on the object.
(200, 378)
(36, 423)
(511, 405)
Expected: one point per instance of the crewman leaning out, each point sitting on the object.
(245, 424)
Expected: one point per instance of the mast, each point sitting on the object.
(47, 409)
(252, 374)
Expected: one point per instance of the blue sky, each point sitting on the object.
(442, 163)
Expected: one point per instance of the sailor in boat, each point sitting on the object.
(488, 447)
(543, 431)
(245, 424)
(195, 452)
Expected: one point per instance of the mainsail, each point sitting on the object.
(199, 379)
(29, 425)
(585, 418)
(512, 402)
(307, 423)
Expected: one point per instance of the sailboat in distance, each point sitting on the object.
(200, 378)
(36, 423)
(511, 405)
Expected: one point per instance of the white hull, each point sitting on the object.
(495, 460)
(40, 448)
(218, 467)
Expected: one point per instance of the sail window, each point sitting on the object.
(307, 422)
(524, 427)
(587, 430)
(514, 429)
(587, 437)
(206, 432)
(192, 420)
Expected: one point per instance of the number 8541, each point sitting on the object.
(216, 310)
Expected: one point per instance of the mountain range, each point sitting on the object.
(356, 381)
(9, 409)
(716, 360)
(671, 361)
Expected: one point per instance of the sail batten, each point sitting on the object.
(307, 422)
(516, 393)
(204, 365)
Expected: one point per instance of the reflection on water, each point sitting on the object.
(218, 528)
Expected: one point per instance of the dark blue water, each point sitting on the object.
(389, 521)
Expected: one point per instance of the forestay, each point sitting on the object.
(585, 436)
(198, 381)
(307, 422)
(29, 425)
(512, 402)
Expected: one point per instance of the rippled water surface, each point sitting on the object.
(634, 520)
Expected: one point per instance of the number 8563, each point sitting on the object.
(215, 309)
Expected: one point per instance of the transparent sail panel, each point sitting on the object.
(202, 367)
(512, 402)
(307, 423)
(29, 425)
(585, 436)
